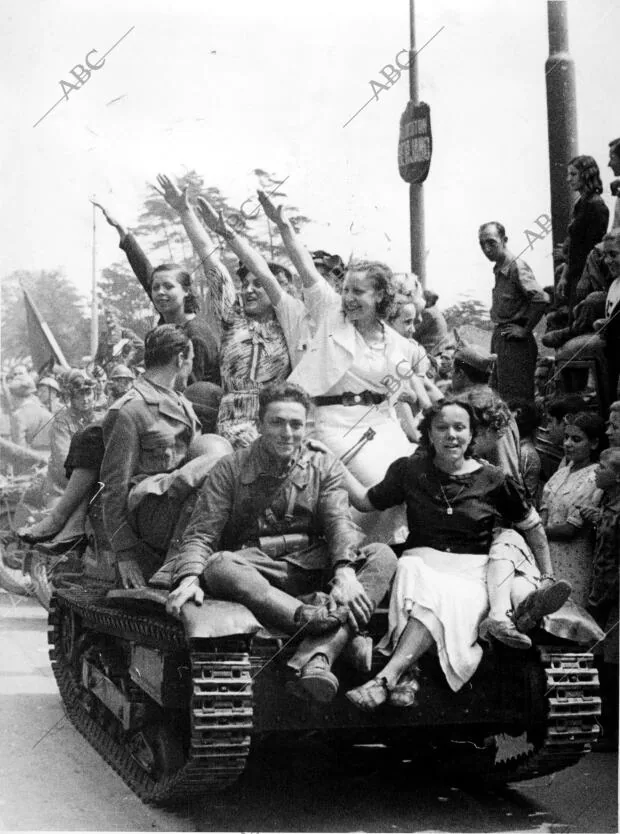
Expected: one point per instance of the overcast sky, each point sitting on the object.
(228, 87)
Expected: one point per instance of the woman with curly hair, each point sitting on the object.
(439, 595)
(356, 367)
(587, 226)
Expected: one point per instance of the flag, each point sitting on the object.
(45, 351)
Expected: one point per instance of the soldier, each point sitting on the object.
(518, 305)
(30, 420)
(272, 524)
(154, 457)
(120, 380)
(48, 392)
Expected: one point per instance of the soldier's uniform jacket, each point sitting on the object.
(243, 499)
(147, 431)
(31, 424)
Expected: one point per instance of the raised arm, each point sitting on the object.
(138, 261)
(249, 256)
(299, 255)
(204, 245)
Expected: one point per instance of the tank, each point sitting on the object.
(176, 707)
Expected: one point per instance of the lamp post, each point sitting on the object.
(94, 321)
(561, 116)
(416, 190)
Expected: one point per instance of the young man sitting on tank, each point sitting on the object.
(272, 525)
(155, 457)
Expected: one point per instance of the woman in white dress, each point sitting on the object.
(569, 491)
(356, 367)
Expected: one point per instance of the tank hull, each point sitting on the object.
(177, 716)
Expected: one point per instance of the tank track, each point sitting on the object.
(573, 710)
(220, 707)
(567, 726)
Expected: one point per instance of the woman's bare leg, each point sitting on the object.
(500, 576)
(415, 640)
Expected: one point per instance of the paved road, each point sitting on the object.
(50, 779)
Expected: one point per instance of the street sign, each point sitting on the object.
(415, 143)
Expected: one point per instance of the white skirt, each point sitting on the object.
(340, 427)
(447, 593)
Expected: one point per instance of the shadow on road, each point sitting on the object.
(365, 789)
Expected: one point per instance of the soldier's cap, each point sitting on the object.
(77, 380)
(50, 382)
(120, 372)
(475, 357)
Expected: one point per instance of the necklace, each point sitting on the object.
(449, 508)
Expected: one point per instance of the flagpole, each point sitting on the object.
(94, 321)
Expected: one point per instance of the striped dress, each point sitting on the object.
(252, 354)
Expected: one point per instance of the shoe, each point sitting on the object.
(370, 696)
(42, 531)
(556, 338)
(358, 653)
(405, 693)
(316, 620)
(317, 679)
(539, 603)
(505, 631)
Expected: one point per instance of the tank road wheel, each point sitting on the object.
(158, 751)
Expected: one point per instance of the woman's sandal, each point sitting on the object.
(370, 696)
(405, 692)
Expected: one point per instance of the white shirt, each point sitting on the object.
(613, 296)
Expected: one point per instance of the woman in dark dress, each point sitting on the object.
(587, 226)
(170, 288)
(439, 597)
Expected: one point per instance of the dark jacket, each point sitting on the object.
(242, 490)
(206, 367)
(586, 229)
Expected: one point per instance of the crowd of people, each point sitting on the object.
(315, 440)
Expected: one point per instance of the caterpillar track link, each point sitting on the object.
(574, 709)
(175, 716)
(137, 741)
(570, 708)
